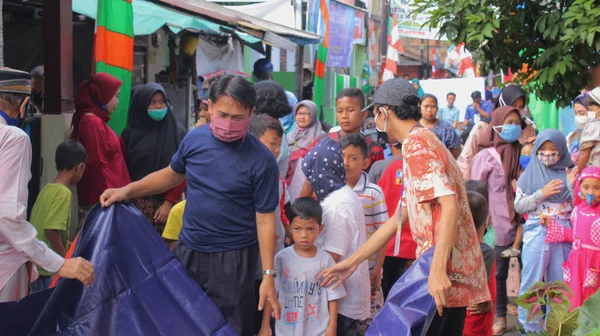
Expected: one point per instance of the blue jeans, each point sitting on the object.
(42, 283)
(541, 262)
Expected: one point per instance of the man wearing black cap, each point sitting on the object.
(19, 245)
(435, 201)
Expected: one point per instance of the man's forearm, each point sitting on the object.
(380, 238)
(265, 227)
(156, 183)
(447, 233)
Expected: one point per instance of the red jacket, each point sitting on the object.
(106, 167)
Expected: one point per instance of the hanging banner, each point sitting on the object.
(359, 28)
(341, 35)
(410, 25)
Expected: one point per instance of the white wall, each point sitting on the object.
(463, 87)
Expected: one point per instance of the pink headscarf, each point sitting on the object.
(588, 172)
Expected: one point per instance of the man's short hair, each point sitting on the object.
(358, 140)
(260, 123)
(69, 155)
(475, 95)
(352, 93)
(307, 208)
(451, 94)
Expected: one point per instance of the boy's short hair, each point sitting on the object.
(478, 187)
(357, 140)
(69, 155)
(451, 94)
(353, 93)
(307, 208)
(479, 208)
(260, 123)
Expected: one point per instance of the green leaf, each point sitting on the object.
(540, 25)
(590, 38)
(588, 316)
(554, 31)
(560, 321)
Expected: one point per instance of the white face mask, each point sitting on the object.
(580, 121)
(592, 115)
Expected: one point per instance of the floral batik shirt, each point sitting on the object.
(431, 172)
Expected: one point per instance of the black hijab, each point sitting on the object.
(150, 144)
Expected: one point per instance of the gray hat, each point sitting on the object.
(395, 92)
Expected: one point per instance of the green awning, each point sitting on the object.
(149, 17)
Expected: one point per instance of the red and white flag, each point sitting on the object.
(394, 47)
(466, 68)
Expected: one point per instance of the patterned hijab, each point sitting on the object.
(537, 175)
(324, 168)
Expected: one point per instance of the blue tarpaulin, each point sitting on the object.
(409, 308)
(139, 288)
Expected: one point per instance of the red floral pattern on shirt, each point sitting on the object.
(431, 172)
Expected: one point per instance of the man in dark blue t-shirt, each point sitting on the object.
(232, 192)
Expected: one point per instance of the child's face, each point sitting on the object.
(591, 186)
(203, 115)
(548, 154)
(303, 119)
(272, 141)
(354, 162)
(305, 233)
(348, 114)
(594, 109)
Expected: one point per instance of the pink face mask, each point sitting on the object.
(229, 130)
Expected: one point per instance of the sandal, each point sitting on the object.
(510, 253)
(499, 328)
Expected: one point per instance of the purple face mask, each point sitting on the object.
(229, 130)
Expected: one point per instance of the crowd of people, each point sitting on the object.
(295, 229)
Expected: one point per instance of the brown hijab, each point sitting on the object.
(509, 154)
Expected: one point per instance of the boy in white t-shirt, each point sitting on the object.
(344, 231)
(307, 309)
(356, 160)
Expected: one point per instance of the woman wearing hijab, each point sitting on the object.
(150, 140)
(344, 229)
(581, 119)
(543, 194)
(497, 164)
(307, 133)
(513, 95)
(417, 85)
(96, 100)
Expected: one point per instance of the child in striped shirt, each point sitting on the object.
(356, 160)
